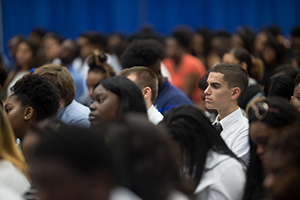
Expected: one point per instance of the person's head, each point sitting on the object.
(149, 167)
(72, 163)
(295, 99)
(51, 45)
(8, 149)
(200, 43)
(280, 85)
(61, 78)
(115, 96)
(178, 43)
(267, 118)
(195, 136)
(288, 69)
(12, 45)
(243, 37)
(282, 164)
(220, 42)
(274, 53)
(68, 51)
(241, 56)
(3, 76)
(26, 55)
(145, 79)
(295, 40)
(99, 69)
(147, 52)
(89, 41)
(36, 35)
(226, 83)
(33, 99)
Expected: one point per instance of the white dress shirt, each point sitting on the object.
(223, 178)
(235, 134)
(154, 115)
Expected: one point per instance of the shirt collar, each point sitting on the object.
(229, 119)
(60, 113)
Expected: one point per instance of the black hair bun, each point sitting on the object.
(102, 57)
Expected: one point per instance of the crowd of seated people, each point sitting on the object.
(197, 115)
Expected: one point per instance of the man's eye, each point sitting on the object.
(7, 110)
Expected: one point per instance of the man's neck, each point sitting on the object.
(224, 113)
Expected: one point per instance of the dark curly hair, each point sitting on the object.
(144, 52)
(39, 93)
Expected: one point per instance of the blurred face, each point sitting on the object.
(85, 47)
(260, 42)
(15, 113)
(105, 106)
(197, 44)
(260, 134)
(67, 52)
(57, 180)
(51, 48)
(282, 177)
(92, 79)
(295, 100)
(171, 47)
(269, 55)
(217, 93)
(24, 55)
(295, 44)
(236, 41)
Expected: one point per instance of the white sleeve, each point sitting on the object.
(229, 185)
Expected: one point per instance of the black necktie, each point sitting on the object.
(218, 127)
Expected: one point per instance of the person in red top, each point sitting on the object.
(185, 70)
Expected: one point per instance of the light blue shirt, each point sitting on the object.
(75, 114)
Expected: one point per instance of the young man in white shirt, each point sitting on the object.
(147, 81)
(226, 83)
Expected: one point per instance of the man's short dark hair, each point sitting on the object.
(234, 75)
(142, 53)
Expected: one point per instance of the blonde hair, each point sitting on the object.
(61, 78)
(8, 148)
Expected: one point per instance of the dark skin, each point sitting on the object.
(67, 52)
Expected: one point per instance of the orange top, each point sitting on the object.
(189, 65)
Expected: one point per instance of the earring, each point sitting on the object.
(25, 117)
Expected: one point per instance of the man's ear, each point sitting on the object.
(146, 92)
(28, 113)
(236, 92)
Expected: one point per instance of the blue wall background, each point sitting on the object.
(71, 17)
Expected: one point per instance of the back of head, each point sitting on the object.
(280, 85)
(286, 69)
(142, 53)
(69, 145)
(131, 97)
(183, 37)
(61, 78)
(242, 55)
(39, 93)
(234, 75)
(97, 62)
(149, 167)
(95, 38)
(274, 112)
(75, 160)
(144, 78)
